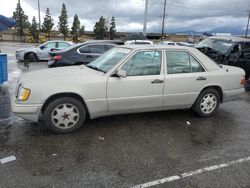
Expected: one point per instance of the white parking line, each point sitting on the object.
(191, 173)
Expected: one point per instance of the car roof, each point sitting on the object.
(104, 41)
(160, 47)
(231, 38)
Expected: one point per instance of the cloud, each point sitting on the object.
(194, 15)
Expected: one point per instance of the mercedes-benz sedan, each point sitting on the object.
(127, 79)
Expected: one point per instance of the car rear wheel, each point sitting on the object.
(207, 103)
(64, 115)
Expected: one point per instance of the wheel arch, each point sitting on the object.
(27, 54)
(65, 94)
(217, 88)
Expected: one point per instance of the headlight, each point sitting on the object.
(23, 93)
(20, 51)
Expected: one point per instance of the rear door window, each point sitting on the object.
(96, 49)
(108, 47)
(182, 62)
(84, 49)
(62, 45)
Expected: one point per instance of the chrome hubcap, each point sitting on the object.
(208, 103)
(65, 116)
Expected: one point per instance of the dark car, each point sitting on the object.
(82, 53)
(229, 50)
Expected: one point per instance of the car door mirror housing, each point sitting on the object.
(42, 47)
(121, 73)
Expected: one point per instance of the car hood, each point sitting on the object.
(61, 74)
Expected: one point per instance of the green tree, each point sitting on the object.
(99, 28)
(22, 22)
(75, 27)
(112, 29)
(48, 23)
(82, 31)
(63, 22)
(33, 30)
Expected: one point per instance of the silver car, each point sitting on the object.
(127, 79)
(41, 52)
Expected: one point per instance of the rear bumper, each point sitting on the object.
(29, 112)
(229, 95)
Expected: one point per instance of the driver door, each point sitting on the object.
(142, 88)
(45, 49)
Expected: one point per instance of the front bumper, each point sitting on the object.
(230, 95)
(29, 112)
(19, 56)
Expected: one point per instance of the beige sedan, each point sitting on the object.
(127, 79)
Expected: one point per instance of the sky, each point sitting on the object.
(182, 15)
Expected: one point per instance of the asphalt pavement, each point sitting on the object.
(171, 148)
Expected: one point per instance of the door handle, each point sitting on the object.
(89, 56)
(201, 78)
(157, 81)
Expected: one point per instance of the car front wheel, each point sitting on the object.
(33, 57)
(64, 115)
(207, 102)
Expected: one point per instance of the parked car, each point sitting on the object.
(41, 52)
(186, 44)
(81, 54)
(126, 79)
(138, 42)
(168, 43)
(228, 50)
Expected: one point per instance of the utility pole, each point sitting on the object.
(39, 16)
(247, 23)
(163, 19)
(145, 18)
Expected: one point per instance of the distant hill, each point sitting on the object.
(232, 30)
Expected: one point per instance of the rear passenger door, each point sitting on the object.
(108, 47)
(90, 52)
(184, 78)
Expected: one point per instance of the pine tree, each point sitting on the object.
(99, 28)
(22, 22)
(75, 27)
(112, 29)
(63, 22)
(34, 28)
(82, 31)
(47, 23)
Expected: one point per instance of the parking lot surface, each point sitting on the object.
(126, 150)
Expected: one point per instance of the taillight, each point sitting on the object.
(57, 57)
(243, 81)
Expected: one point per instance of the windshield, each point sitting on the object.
(109, 59)
(216, 44)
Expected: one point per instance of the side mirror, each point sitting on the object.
(42, 47)
(121, 73)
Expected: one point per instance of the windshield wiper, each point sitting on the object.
(95, 68)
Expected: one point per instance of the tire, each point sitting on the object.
(33, 57)
(64, 115)
(207, 103)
